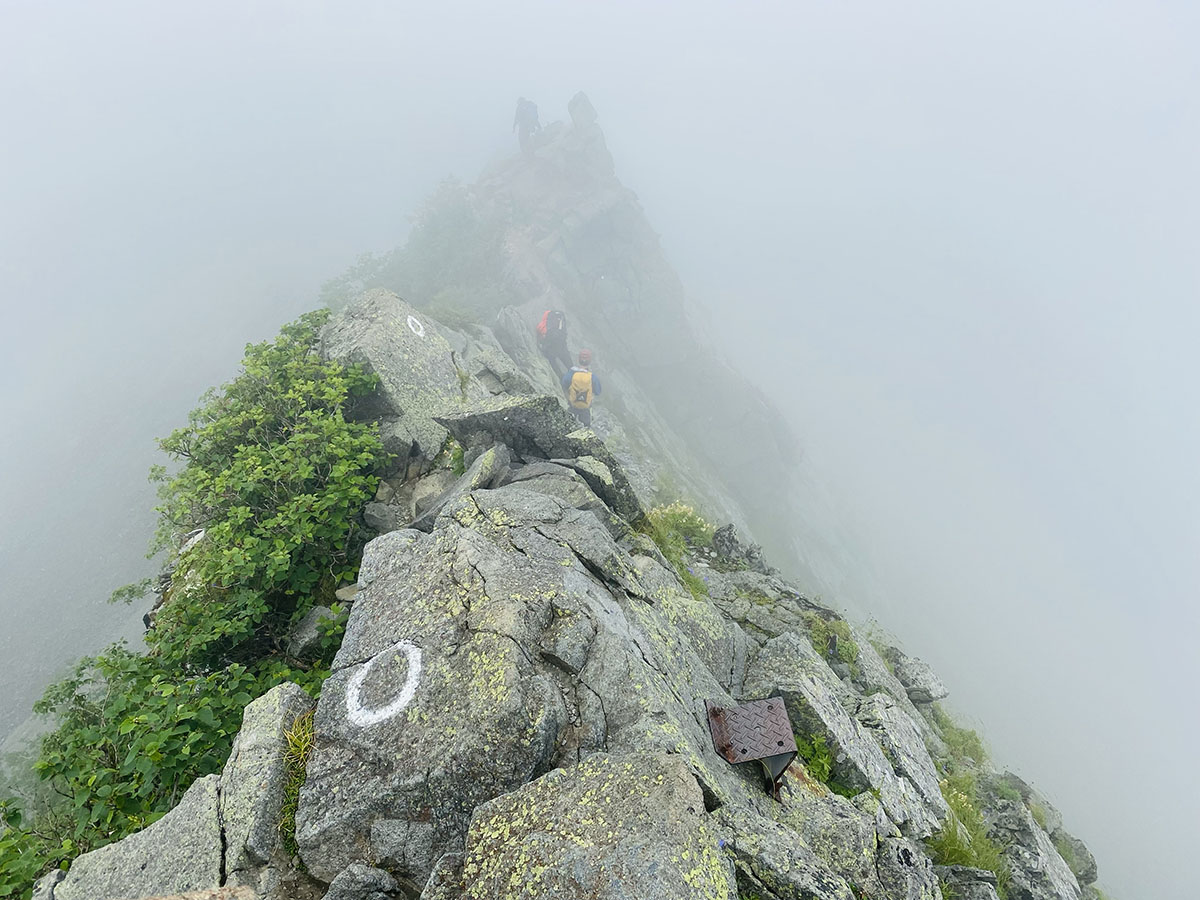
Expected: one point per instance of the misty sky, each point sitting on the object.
(956, 243)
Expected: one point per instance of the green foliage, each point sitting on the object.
(451, 457)
(1039, 815)
(295, 759)
(1006, 791)
(1067, 852)
(276, 475)
(130, 592)
(678, 530)
(962, 742)
(820, 630)
(964, 841)
(818, 759)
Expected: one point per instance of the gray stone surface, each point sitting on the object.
(614, 827)
(919, 680)
(418, 378)
(488, 467)
(1076, 855)
(180, 852)
(900, 739)
(905, 872)
(966, 883)
(1038, 872)
(359, 882)
(788, 666)
(512, 590)
(772, 860)
(252, 786)
(306, 637)
(446, 881)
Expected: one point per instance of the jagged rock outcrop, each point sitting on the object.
(519, 703)
(224, 833)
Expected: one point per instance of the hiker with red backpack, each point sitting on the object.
(552, 339)
(581, 385)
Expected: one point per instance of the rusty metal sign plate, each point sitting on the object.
(754, 730)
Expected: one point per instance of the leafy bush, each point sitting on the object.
(276, 475)
(962, 742)
(678, 530)
(964, 841)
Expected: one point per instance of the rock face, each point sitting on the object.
(919, 680)
(1038, 872)
(519, 705)
(615, 826)
(417, 371)
(180, 852)
(252, 788)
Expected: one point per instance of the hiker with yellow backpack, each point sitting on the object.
(581, 385)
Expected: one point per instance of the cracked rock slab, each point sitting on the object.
(611, 828)
(180, 852)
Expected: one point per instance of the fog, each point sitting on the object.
(956, 245)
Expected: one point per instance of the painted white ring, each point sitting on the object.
(359, 714)
(415, 326)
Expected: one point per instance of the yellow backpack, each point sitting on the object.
(579, 392)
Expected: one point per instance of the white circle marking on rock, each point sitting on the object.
(360, 715)
(415, 326)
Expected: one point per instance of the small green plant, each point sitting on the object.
(451, 457)
(295, 759)
(1067, 852)
(1039, 815)
(1006, 791)
(820, 631)
(964, 840)
(963, 743)
(679, 530)
(818, 759)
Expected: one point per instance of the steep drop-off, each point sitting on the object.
(520, 703)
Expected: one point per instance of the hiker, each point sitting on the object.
(526, 119)
(580, 386)
(552, 339)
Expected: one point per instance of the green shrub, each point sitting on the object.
(277, 475)
(964, 840)
(963, 743)
(678, 530)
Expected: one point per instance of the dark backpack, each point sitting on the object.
(556, 322)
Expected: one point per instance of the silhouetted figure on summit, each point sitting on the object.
(526, 124)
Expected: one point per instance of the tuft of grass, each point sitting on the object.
(1039, 815)
(295, 759)
(451, 457)
(1066, 851)
(962, 742)
(820, 630)
(964, 841)
(679, 530)
(1006, 791)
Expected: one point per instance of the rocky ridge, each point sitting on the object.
(518, 707)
